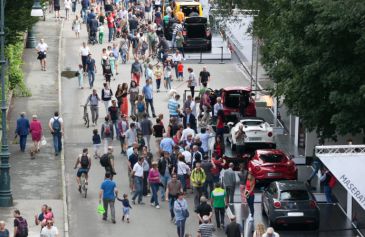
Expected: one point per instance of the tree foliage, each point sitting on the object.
(315, 51)
(17, 19)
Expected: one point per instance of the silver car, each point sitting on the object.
(290, 202)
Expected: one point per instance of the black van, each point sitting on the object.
(197, 34)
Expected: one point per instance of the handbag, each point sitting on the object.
(185, 212)
(43, 141)
(101, 209)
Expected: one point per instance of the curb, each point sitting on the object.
(63, 176)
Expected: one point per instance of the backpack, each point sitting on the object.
(22, 229)
(56, 126)
(107, 130)
(84, 161)
(104, 160)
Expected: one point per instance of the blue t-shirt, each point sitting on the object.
(148, 91)
(108, 187)
(90, 64)
(4, 233)
(167, 144)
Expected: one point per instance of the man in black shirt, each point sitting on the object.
(114, 115)
(204, 209)
(204, 77)
(233, 229)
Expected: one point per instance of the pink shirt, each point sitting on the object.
(154, 176)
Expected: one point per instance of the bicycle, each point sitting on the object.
(83, 184)
(85, 116)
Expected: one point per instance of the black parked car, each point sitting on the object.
(197, 34)
(290, 202)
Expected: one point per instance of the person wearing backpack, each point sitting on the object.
(20, 225)
(85, 163)
(56, 126)
(107, 133)
(107, 161)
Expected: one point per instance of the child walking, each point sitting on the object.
(80, 76)
(96, 143)
(167, 76)
(126, 207)
(101, 33)
(180, 71)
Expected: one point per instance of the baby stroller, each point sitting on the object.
(92, 37)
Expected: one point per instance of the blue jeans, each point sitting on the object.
(22, 142)
(164, 180)
(172, 200)
(138, 183)
(168, 82)
(91, 76)
(316, 166)
(83, 14)
(180, 224)
(154, 198)
(250, 202)
(124, 55)
(115, 123)
(74, 7)
(111, 34)
(149, 102)
(182, 179)
(328, 192)
(57, 143)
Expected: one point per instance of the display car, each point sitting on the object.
(259, 134)
(290, 202)
(267, 165)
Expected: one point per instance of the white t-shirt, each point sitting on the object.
(204, 138)
(193, 108)
(42, 47)
(138, 170)
(53, 232)
(53, 118)
(177, 58)
(186, 132)
(84, 51)
(182, 168)
(187, 156)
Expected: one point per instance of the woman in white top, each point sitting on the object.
(68, 4)
(84, 53)
(259, 231)
(191, 81)
(182, 171)
(76, 26)
(42, 54)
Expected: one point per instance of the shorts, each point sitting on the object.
(41, 55)
(57, 8)
(126, 211)
(82, 171)
(180, 74)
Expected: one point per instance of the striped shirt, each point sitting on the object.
(173, 106)
(206, 230)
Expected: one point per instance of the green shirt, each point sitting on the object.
(218, 195)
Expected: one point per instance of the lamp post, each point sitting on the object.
(37, 11)
(6, 198)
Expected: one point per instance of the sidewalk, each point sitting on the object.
(37, 182)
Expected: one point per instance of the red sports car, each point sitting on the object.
(268, 165)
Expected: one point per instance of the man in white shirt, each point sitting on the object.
(49, 230)
(186, 132)
(84, 53)
(187, 155)
(41, 49)
(204, 138)
(176, 58)
(56, 127)
(218, 106)
(137, 174)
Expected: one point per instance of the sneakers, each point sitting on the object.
(158, 207)
(152, 204)
(80, 188)
(134, 202)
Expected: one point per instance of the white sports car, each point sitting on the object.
(259, 134)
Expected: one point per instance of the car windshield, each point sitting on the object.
(189, 9)
(252, 122)
(294, 195)
(271, 158)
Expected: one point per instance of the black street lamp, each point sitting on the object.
(6, 198)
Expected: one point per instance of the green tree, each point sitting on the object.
(17, 19)
(315, 51)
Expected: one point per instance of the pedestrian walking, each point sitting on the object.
(136, 71)
(20, 225)
(270, 233)
(173, 188)
(206, 228)
(218, 201)
(204, 209)
(328, 181)
(3, 231)
(96, 143)
(84, 53)
(49, 230)
(183, 170)
(197, 180)
(140, 106)
(126, 207)
(131, 135)
(147, 92)
(167, 76)
(133, 96)
(181, 214)
(67, 4)
(233, 229)
(123, 127)
(113, 113)
(176, 59)
(74, 3)
(107, 133)
(249, 193)
(91, 70)
(80, 76)
(106, 96)
(137, 174)
(191, 81)
(164, 166)
(229, 182)
(207, 166)
(108, 192)
(22, 130)
(147, 130)
(57, 8)
(158, 72)
(42, 49)
(76, 25)
(154, 181)
(93, 100)
(204, 77)
(101, 30)
(56, 127)
(36, 131)
(110, 22)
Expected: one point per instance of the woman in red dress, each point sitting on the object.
(124, 106)
(36, 131)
